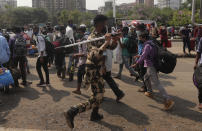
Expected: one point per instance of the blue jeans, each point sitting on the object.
(126, 62)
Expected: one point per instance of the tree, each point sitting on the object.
(181, 17)
(22, 16)
(63, 17)
(188, 5)
(109, 14)
(75, 15)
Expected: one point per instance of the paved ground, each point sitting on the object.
(42, 108)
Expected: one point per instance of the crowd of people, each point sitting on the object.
(135, 45)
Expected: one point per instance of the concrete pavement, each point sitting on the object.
(42, 108)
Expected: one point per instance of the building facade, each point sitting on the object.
(125, 7)
(107, 7)
(149, 3)
(9, 3)
(56, 5)
(173, 4)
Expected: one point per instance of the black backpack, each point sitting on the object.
(165, 61)
(132, 45)
(50, 48)
(20, 48)
(65, 41)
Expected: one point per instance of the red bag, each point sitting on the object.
(192, 44)
(56, 44)
(168, 45)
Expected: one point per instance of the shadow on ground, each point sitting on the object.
(125, 111)
(110, 126)
(56, 95)
(128, 80)
(182, 108)
(11, 100)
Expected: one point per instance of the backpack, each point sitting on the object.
(197, 77)
(50, 48)
(132, 45)
(65, 41)
(165, 61)
(20, 48)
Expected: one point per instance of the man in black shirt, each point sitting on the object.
(186, 39)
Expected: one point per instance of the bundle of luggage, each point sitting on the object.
(6, 79)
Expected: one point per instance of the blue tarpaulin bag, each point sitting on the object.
(6, 78)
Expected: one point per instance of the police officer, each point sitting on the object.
(95, 69)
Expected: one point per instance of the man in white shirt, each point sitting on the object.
(42, 60)
(108, 78)
(69, 31)
(70, 35)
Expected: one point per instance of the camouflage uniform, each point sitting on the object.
(95, 69)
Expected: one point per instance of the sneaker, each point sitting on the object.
(200, 106)
(77, 92)
(40, 84)
(169, 104)
(120, 97)
(148, 94)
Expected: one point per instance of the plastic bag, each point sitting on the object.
(6, 78)
(118, 55)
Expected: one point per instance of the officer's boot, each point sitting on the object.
(69, 116)
(95, 116)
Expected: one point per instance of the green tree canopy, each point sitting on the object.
(22, 16)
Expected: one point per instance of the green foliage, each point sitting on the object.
(161, 16)
(109, 14)
(198, 20)
(63, 17)
(22, 16)
(181, 17)
(75, 15)
(25, 15)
